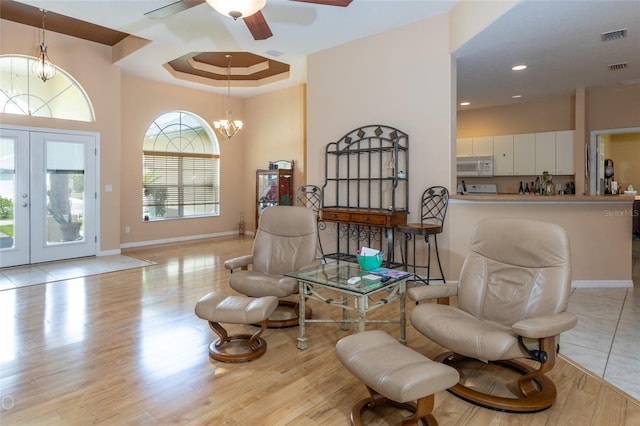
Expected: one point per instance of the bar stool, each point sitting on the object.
(310, 196)
(433, 210)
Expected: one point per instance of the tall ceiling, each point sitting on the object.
(560, 41)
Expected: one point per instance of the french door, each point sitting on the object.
(47, 196)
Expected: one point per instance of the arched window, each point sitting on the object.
(23, 93)
(181, 168)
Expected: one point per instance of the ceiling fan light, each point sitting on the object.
(237, 8)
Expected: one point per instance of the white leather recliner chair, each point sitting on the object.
(286, 240)
(512, 298)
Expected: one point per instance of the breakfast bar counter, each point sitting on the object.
(600, 230)
(546, 199)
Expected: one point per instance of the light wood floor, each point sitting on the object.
(126, 348)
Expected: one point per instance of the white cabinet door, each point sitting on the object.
(564, 153)
(545, 152)
(503, 155)
(483, 146)
(524, 154)
(464, 147)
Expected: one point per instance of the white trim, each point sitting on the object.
(601, 283)
(109, 252)
(177, 239)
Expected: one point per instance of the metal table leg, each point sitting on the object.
(302, 340)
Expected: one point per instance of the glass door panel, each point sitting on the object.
(65, 192)
(14, 197)
(63, 210)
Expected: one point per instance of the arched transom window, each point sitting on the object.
(21, 92)
(181, 168)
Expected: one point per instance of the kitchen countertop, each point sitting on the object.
(555, 199)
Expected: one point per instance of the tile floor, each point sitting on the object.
(606, 340)
(22, 276)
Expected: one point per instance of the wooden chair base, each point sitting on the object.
(421, 412)
(291, 320)
(537, 391)
(252, 346)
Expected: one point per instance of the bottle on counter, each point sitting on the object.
(521, 189)
(526, 188)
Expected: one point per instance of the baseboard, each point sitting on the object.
(108, 252)
(601, 283)
(177, 239)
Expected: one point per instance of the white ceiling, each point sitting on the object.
(560, 43)
(558, 40)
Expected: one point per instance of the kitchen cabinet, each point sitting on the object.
(554, 152)
(483, 146)
(473, 147)
(545, 152)
(274, 187)
(524, 154)
(564, 153)
(503, 155)
(464, 147)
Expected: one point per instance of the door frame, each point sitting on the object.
(96, 188)
(591, 159)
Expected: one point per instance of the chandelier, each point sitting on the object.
(237, 8)
(42, 67)
(228, 127)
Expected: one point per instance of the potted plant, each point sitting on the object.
(60, 209)
(547, 188)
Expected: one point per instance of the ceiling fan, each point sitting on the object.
(256, 22)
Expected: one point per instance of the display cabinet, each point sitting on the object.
(366, 188)
(274, 186)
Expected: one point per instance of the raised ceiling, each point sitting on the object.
(559, 40)
(208, 68)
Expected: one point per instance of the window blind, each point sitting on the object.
(178, 184)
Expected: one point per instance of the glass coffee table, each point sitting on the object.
(362, 298)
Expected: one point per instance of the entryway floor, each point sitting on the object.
(40, 273)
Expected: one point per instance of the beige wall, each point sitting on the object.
(613, 107)
(373, 81)
(275, 130)
(142, 102)
(546, 115)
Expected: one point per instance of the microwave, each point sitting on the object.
(475, 166)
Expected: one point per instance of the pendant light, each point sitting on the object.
(228, 127)
(42, 67)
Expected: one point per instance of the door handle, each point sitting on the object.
(25, 204)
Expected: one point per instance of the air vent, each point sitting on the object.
(613, 35)
(618, 67)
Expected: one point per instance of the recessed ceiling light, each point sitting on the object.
(465, 103)
(519, 67)
(516, 96)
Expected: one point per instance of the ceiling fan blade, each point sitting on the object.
(172, 9)
(258, 26)
(341, 3)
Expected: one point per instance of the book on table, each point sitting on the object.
(389, 273)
